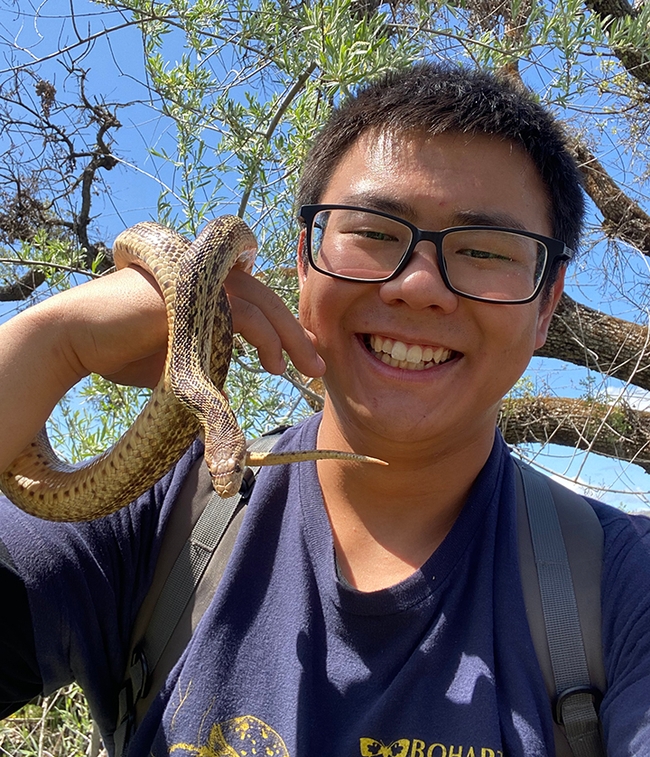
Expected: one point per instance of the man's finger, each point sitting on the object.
(264, 321)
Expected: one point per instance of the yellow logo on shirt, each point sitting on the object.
(372, 747)
(417, 748)
(239, 737)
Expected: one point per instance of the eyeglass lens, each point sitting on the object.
(484, 263)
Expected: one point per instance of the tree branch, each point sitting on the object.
(105, 32)
(584, 336)
(614, 431)
(102, 158)
(23, 288)
(297, 86)
(623, 218)
(47, 264)
(635, 59)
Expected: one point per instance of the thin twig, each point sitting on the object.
(45, 264)
(284, 105)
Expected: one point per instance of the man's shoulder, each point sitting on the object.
(625, 538)
(622, 528)
(301, 434)
(626, 557)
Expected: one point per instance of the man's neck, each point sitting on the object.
(387, 521)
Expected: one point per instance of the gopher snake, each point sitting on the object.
(187, 399)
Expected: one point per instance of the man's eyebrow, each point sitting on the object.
(482, 218)
(397, 207)
(374, 201)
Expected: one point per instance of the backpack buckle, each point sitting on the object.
(139, 675)
(247, 484)
(566, 695)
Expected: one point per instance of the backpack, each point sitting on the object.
(560, 547)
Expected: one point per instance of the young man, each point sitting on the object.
(364, 610)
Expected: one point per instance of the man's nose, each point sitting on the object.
(420, 284)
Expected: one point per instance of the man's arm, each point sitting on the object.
(625, 710)
(116, 326)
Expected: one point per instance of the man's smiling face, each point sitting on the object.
(408, 361)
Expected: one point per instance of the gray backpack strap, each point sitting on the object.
(198, 540)
(560, 554)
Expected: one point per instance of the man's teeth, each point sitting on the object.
(410, 356)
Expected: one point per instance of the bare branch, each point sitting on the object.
(102, 158)
(22, 289)
(106, 32)
(47, 264)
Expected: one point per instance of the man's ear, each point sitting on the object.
(547, 308)
(302, 262)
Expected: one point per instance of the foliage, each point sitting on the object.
(96, 418)
(54, 726)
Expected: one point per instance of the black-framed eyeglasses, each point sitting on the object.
(485, 263)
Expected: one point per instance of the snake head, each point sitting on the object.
(226, 474)
(225, 446)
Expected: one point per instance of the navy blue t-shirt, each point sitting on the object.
(288, 660)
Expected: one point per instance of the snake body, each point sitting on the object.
(187, 399)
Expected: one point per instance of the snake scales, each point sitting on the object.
(187, 399)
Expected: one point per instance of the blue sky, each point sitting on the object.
(136, 183)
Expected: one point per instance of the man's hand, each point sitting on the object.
(264, 321)
(122, 332)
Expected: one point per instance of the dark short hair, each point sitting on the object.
(436, 98)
